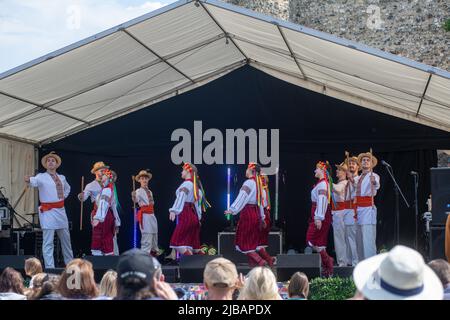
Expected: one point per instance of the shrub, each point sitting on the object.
(331, 289)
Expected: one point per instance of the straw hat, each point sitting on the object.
(143, 173)
(342, 166)
(99, 165)
(368, 155)
(354, 159)
(400, 274)
(51, 155)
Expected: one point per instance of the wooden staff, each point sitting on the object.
(82, 203)
(371, 176)
(25, 189)
(347, 189)
(134, 202)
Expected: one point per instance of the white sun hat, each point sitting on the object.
(400, 274)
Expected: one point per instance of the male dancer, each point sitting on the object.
(366, 186)
(350, 219)
(146, 215)
(53, 189)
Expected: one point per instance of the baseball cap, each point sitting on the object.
(136, 263)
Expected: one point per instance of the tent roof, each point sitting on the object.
(189, 43)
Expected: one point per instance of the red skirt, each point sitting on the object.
(315, 237)
(187, 231)
(103, 234)
(264, 233)
(247, 233)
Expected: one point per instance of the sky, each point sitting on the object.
(30, 29)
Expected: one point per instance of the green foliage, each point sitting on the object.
(446, 25)
(331, 289)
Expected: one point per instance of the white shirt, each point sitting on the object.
(319, 195)
(363, 187)
(185, 193)
(247, 195)
(149, 221)
(92, 190)
(339, 191)
(103, 202)
(55, 218)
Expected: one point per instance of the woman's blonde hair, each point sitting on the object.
(260, 284)
(33, 266)
(108, 285)
(77, 280)
(298, 285)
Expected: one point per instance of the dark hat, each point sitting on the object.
(137, 264)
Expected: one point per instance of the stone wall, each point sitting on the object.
(409, 28)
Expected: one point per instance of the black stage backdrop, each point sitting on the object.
(312, 127)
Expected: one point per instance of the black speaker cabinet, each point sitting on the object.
(192, 267)
(227, 248)
(440, 194)
(288, 264)
(101, 264)
(437, 243)
(16, 262)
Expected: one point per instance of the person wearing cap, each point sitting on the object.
(102, 219)
(338, 206)
(139, 277)
(400, 274)
(249, 203)
(366, 186)
(53, 190)
(320, 219)
(188, 207)
(93, 189)
(148, 223)
(221, 279)
(350, 212)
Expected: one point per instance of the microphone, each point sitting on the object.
(413, 173)
(384, 163)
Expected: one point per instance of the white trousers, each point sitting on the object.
(340, 245)
(366, 235)
(350, 239)
(149, 242)
(116, 246)
(48, 236)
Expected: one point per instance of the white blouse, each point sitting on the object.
(185, 193)
(247, 195)
(319, 195)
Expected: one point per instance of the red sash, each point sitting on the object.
(364, 201)
(51, 205)
(144, 210)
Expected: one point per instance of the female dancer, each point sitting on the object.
(188, 208)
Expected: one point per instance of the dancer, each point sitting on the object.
(188, 208)
(350, 212)
(338, 213)
(148, 223)
(366, 186)
(94, 188)
(265, 227)
(251, 220)
(103, 221)
(320, 220)
(53, 189)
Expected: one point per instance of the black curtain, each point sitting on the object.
(312, 127)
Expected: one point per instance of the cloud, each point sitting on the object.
(32, 28)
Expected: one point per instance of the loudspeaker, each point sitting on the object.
(101, 264)
(191, 267)
(288, 264)
(227, 248)
(440, 195)
(343, 272)
(437, 243)
(16, 262)
(171, 274)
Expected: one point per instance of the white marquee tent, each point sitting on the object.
(189, 43)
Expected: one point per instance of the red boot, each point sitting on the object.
(327, 264)
(266, 256)
(254, 259)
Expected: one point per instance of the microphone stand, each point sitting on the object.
(416, 186)
(397, 190)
